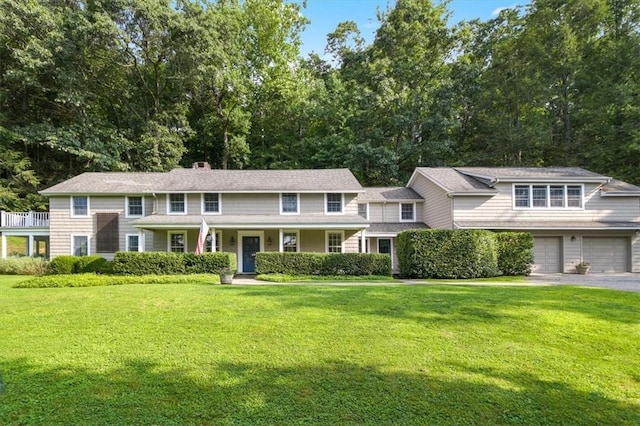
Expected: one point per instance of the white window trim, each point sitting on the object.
(88, 206)
(326, 201)
(548, 206)
(291, 231)
(126, 241)
(126, 207)
(413, 219)
(203, 211)
(326, 240)
(297, 203)
(169, 233)
(366, 204)
(73, 249)
(169, 212)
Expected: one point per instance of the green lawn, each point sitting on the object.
(211, 354)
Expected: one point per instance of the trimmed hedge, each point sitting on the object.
(339, 264)
(515, 253)
(161, 263)
(94, 280)
(63, 265)
(447, 253)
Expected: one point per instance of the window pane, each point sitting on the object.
(407, 212)
(574, 196)
(334, 242)
(522, 196)
(289, 203)
(176, 203)
(362, 210)
(80, 206)
(334, 203)
(135, 206)
(290, 241)
(384, 246)
(211, 203)
(176, 243)
(539, 196)
(80, 245)
(132, 241)
(556, 196)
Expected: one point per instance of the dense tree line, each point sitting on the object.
(148, 85)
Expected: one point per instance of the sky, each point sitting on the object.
(326, 14)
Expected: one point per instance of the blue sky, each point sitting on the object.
(326, 14)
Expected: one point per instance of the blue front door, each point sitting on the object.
(250, 246)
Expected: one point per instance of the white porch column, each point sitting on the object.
(4, 245)
(280, 242)
(363, 242)
(30, 245)
(141, 241)
(213, 240)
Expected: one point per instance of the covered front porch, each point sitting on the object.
(24, 234)
(245, 236)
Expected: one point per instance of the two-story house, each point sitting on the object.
(574, 215)
(247, 211)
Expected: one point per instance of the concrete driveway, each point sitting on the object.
(621, 281)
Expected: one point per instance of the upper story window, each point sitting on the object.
(407, 212)
(363, 210)
(177, 204)
(289, 203)
(547, 196)
(80, 206)
(334, 203)
(135, 207)
(211, 202)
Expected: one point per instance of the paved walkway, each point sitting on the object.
(625, 282)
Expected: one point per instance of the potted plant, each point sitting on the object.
(583, 267)
(226, 275)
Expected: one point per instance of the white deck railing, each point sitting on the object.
(24, 220)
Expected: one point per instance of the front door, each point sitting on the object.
(250, 246)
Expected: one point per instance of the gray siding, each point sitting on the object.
(437, 207)
(390, 212)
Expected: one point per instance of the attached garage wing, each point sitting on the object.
(606, 254)
(546, 254)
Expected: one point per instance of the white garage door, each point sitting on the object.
(546, 255)
(606, 254)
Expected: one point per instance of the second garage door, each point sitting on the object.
(546, 253)
(606, 254)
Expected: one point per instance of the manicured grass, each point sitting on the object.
(284, 278)
(210, 354)
(97, 280)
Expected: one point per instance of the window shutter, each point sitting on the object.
(107, 233)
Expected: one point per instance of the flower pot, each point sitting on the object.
(226, 278)
(582, 269)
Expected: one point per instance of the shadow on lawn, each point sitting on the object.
(331, 393)
(456, 303)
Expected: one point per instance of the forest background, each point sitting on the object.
(149, 85)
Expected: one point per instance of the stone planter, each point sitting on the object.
(226, 278)
(583, 269)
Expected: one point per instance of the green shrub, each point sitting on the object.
(209, 263)
(355, 264)
(161, 263)
(85, 264)
(93, 280)
(23, 266)
(447, 253)
(515, 253)
(62, 265)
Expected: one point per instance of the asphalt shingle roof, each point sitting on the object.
(395, 193)
(531, 172)
(452, 181)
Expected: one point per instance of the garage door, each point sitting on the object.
(606, 254)
(546, 255)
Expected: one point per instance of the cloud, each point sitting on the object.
(497, 10)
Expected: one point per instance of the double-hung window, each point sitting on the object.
(177, 242)
(334, 242)
(290, 241)
(363, 210)
(135, 207)
(133, 242)
(80, 206)
(333, 202)
(80, 245)
(177, 204)
(211, 203)
(407, 212)
(289, 203)
(547, 196)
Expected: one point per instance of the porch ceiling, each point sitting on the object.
(253, 222)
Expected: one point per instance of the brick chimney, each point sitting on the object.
(201, 165)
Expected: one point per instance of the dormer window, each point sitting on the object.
(547, 196)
